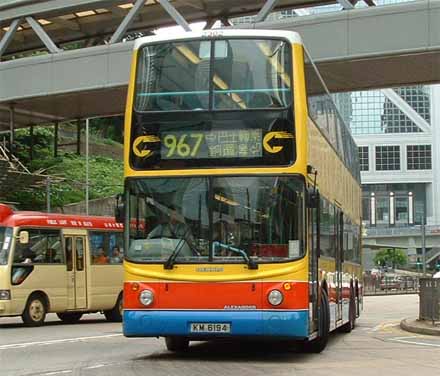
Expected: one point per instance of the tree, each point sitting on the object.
(390, 256)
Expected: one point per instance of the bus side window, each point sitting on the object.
(69, 255)
(99, 247)
(79, 254)
(44, 247)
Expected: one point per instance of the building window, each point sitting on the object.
(372, 112)
(363, 158)
(418, 157)
(387, 158)
(383, 210)
(401, 208)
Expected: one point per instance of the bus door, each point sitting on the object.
(339, 260)
(76, 272)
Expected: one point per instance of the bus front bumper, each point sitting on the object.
(281, 324)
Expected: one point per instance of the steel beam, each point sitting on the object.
(346, 4)
(51, 46)
(9, 36)
(175, 15)
(264, 12)
(126, 22)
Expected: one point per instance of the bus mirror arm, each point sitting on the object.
(119, 209)
(312, 193)
(312, 198)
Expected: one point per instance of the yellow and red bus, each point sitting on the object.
(242, 195)
(66, 264)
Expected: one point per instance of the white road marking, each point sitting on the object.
(55, 341)
(405, 340)
(96, 366)
(57, 372)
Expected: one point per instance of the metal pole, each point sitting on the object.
(11, 128)
(78, 137)
(423, 244)
(87, 166)
(48, 194)
(55, 140)
(31, 145)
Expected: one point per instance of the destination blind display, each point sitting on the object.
(243, 143)
(199, 144)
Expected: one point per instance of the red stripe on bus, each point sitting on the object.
(229, 295)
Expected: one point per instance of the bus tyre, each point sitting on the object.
(177, 344)
(318, 344)
(115, 314)
(349, 326)
(35, 311)
(69, 317)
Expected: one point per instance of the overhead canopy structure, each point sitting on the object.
(93, 21)
(349, 48)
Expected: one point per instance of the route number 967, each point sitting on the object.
(184, 145)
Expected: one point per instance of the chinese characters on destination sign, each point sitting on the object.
(212, 144)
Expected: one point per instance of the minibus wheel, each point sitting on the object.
(69, 317)
(177, 344)
(318, 344)
(115, 314)
(35, 311)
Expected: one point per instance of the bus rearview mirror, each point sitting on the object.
(24, 237)
(119, 209)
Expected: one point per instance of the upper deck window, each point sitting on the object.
(234, 74)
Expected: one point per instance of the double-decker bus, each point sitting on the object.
(242, 195)
(66, 264)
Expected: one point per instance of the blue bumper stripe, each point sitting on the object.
(143, 323)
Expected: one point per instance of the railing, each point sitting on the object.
(400, 231)
(384, 285)
(429, 307)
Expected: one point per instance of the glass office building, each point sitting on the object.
(397, 131)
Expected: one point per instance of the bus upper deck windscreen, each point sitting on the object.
(227, 102)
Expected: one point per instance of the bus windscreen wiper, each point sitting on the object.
(251, 263)
(169, 263)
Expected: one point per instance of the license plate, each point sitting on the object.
(208, 327)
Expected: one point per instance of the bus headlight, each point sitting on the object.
(5, 295)
(275, 297)
(146, 297)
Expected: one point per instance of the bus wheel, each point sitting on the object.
(349, 326)
(69, 317)
(318, 344)
(177, 344)
(115, 314)
(35, 311)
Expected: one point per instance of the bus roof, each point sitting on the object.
(291, 36)
(10, 218)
